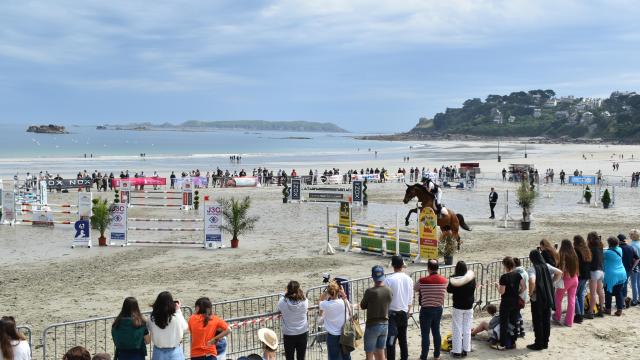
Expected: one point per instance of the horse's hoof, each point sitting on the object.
(406, 223)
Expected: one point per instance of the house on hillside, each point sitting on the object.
(567, 99)
(562, 115)
(496, 114)
(537, 112)
(511, 119)
(586, 117)
(551, 103)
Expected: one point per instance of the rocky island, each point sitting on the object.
(47, 129)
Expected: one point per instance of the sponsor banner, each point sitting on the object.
(44, 199)
(427, 223)
(369, 177)
(200, 181)
(295, 189)
(82, 234)
(245, 181)
(42, 218)
(187, 192)
(8, 203)
(84, 204)
(118, 226)
(333, 196)
(117, 183)
(356, 191)
(212, 222)
(333, 179)
(582, 180)
(58, 184)
(344, 235)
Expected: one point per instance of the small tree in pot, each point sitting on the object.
(236, 218)
(116, 198)
(196, 200)
(526, 199)
(100, 219)
(606, 199)
(447, 247)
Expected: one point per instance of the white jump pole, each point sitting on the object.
(397, 233)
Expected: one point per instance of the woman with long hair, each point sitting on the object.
(549, 253)
(295, 327)
(333, 305)
(167, 327)
(129, 332)
(206, 330)
(615, 276)
(509, 289)
(463, 286)
(541, 279)
(596, 272)
(569, 265)
(13, 345)
(584, 263)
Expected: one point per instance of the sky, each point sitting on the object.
(368, 66)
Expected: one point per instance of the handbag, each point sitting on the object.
(351, 331)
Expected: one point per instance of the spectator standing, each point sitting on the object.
(635, 271)
(615, 276)
(167, 327)
(549, 253)
(206, 330)
(584, 262)
(509, 289)
(541, 279)
(13, 345)
(569, 266)
(431, 290)
(462, 285)
(129, 332)
(401, 286)
(596, 284)
(333, 308)
(77, 353)
(493, 200)
(295, 328)
(629, 258)
(376, 301)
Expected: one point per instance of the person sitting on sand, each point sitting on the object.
(492, 326)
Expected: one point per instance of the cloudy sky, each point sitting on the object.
(375, 65)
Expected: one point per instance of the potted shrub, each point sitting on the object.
(587, 195)
(196, 200)
(606, 199)
(100, 219)
(236, 218)
(447, 247)
(116, 198)
(526, 199)
(285, 193)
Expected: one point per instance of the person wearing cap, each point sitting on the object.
(431, 290)
(269, 341)
(401, 286)
(629, 258)
(376, 301)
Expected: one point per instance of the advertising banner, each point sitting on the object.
(427, 223)
(187, 192)
(200, 181)
(328, 196)
(118, 226)
(356, 195)
(139, 181)
(8, 203)
(42, 218)
(333, 179)
(212, 222)
(245, 181)
(344, 235)
(369, 177)
(84, 205)
(296, 189)
(59, 184)
(82, 234)
(582, 180)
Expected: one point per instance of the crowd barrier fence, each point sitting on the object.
(247, 307)
(93, 334)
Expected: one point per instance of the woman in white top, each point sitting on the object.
(295, 327)
(167, 327)
(13, 345)
(333, 306)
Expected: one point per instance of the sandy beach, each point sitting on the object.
(44, 281)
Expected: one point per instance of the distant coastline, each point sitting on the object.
(462, 137)
(47, 129)
(247, 125)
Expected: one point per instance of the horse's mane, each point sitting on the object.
(424, 188)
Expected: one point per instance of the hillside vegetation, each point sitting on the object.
(539, 113)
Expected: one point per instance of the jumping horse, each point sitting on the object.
(447, 222)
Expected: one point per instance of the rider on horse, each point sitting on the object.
(437, 193)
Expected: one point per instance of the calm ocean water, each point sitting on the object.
(114, 150)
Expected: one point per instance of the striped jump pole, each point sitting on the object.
(49, 205)
(166, 220)
(163, 229)
(49, 211)
(156, 192)
(47, 222)
(156, 205)
(165, 242)
(157, 197)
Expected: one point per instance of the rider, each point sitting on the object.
(436, 191)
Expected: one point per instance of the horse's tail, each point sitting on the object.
(462, 223)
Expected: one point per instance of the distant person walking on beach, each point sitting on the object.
(493, 200)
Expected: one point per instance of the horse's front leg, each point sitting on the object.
(406, 219)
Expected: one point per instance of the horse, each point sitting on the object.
(447, 222)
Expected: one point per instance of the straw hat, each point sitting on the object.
(269, 338)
